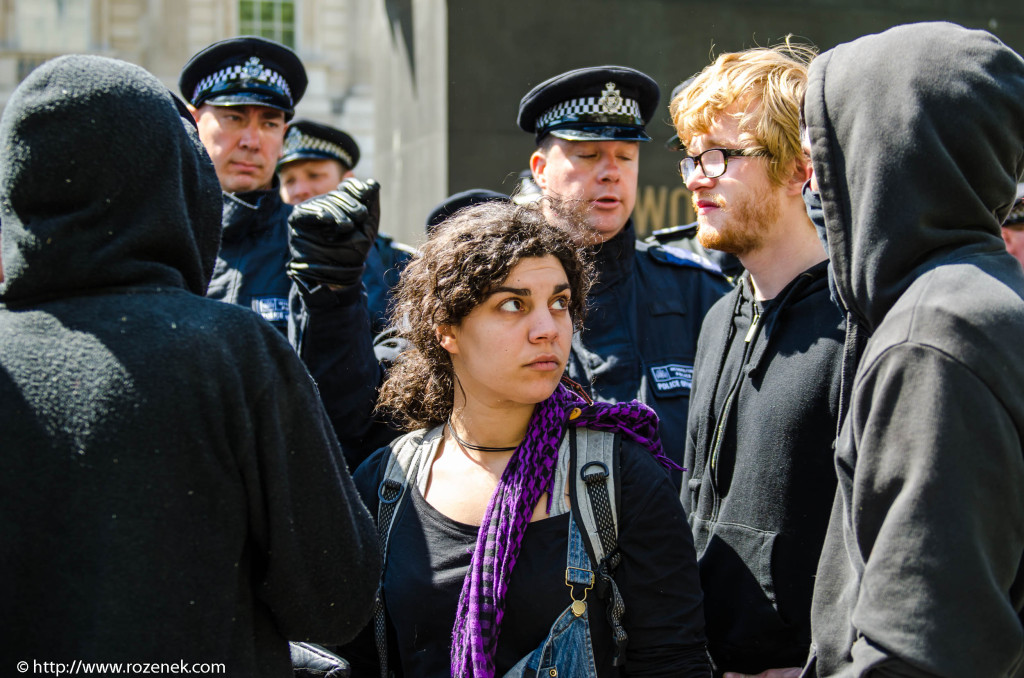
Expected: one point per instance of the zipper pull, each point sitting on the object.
(753, 326)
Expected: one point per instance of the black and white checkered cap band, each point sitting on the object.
(297, 142)
(243, 72)
(574, 109)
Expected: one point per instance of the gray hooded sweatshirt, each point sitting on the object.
(917, 140)
(170, 488)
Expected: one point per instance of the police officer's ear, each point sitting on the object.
(284, 133)
(538, 163)
(193, 110)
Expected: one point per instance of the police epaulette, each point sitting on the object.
(402, 247)
(663, 235)
(386, 241)
(680, 257)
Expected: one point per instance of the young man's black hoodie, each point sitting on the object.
(760, 483)
(917, 142)
(170, 489)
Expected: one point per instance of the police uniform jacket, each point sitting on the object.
(384, 265)
(640, 335)
(250, 268)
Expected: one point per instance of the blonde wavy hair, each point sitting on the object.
(768, 84)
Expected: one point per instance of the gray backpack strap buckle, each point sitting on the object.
(593, 463)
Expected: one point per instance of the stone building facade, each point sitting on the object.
(160, 35)
(430, 88)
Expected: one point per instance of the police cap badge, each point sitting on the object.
(308, 140)
(601, 103)
(245, 71)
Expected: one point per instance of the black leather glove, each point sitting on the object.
(313, 661)
(329, 236)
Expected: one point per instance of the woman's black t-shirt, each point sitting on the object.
(429, 555)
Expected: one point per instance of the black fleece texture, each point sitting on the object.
(170, 489)
(917, 139)
(763, 415)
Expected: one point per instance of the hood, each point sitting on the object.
(917, 142)
(103, 184)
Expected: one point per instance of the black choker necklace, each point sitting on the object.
(478, 448)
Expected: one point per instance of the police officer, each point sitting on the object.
(648, 302)
(242, 92)
(316, 159)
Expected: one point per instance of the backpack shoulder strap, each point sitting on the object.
(593, 481)
(593, 488)
(409, 459)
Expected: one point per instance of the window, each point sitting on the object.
(274, 19)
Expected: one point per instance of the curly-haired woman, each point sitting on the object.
(481, 541)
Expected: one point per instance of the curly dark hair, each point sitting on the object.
(466, 257)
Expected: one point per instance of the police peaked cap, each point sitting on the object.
(673, 143)
(245, 71)
(308, 140)
(600, 103)
(462, 200)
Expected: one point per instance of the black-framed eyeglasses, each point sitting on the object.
(714, 161)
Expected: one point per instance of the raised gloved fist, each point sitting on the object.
(330, 236)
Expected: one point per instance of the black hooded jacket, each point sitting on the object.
(168, 473)
(761, 480)
(917, 139)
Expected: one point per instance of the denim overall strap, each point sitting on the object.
(567, 650)
(579, 574)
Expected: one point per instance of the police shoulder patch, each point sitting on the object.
(273, 309)
(670, 379)
(667, 235)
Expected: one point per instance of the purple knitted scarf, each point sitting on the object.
(529, 474)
